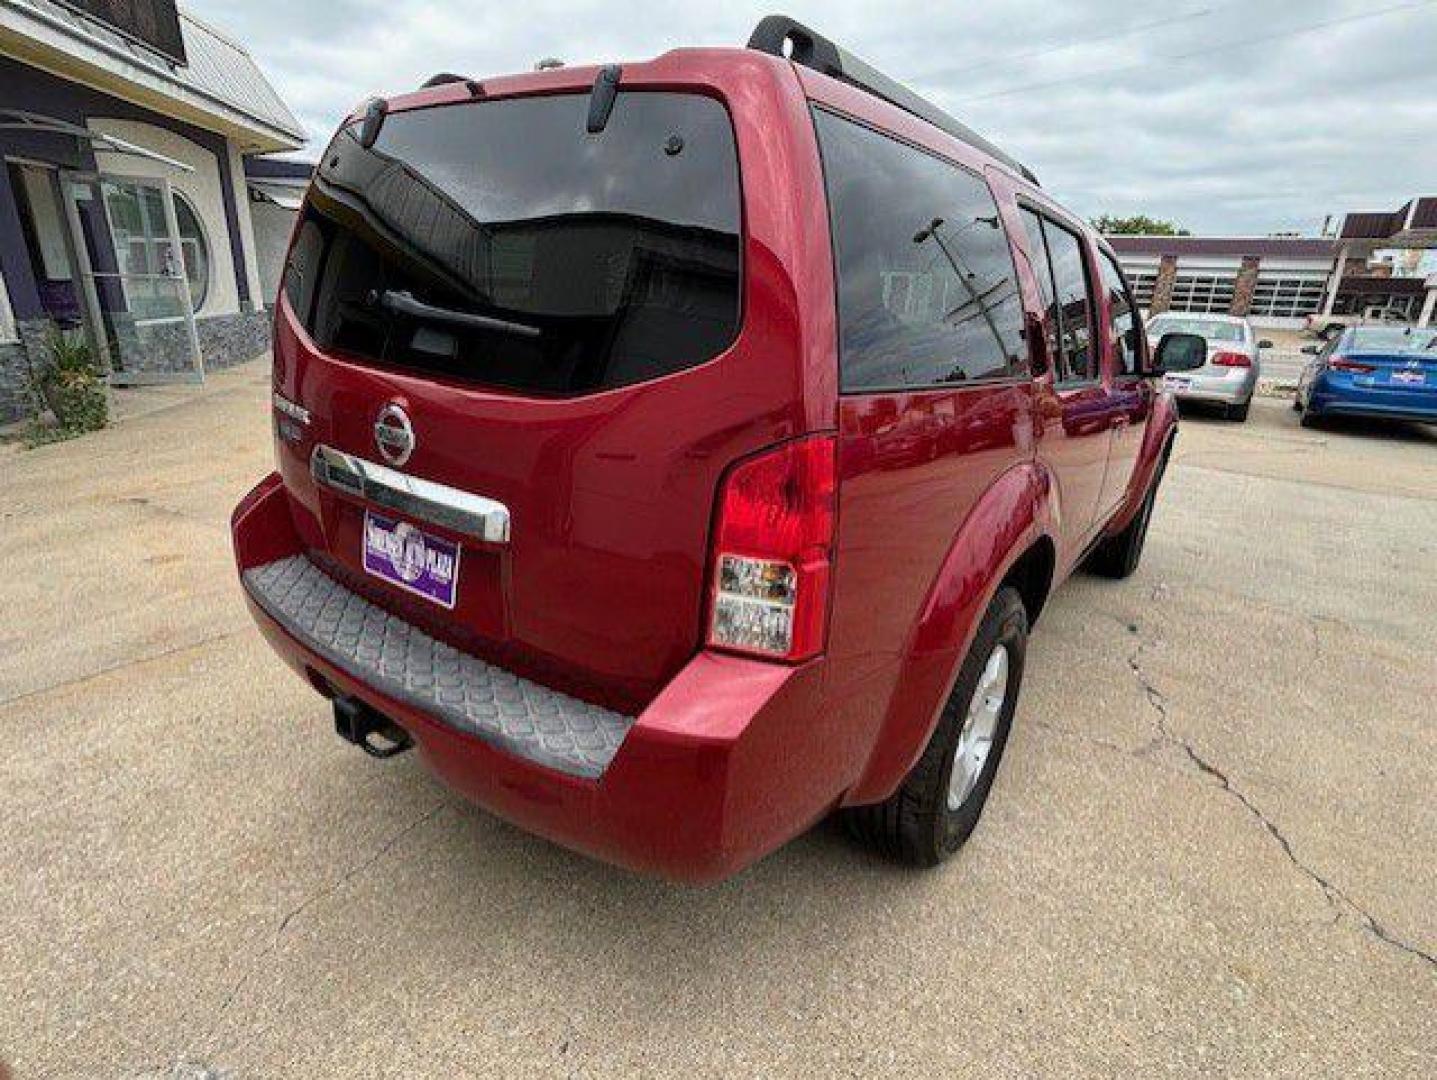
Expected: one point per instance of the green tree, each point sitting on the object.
(1137, 225)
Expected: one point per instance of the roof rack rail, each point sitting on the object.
(778, 35)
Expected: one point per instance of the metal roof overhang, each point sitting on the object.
(285, 196)
(29, 36)
(20, 120)
(1420, 239)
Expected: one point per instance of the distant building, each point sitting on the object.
(125, 212)
(1283, 281)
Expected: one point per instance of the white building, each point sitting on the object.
(124, 207)
(1282, 282)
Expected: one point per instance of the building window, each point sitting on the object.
(1287, 297)
(1143, 286)
(195, 249)
(1206, 294)
(143, 252)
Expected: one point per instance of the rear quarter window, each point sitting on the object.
(1123, 325)
(927, 292)
(500, 242)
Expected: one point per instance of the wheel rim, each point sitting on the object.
(980, 723)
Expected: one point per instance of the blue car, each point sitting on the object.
(1382, 372)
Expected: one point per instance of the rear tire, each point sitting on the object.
(935, 809)
(1239, 413)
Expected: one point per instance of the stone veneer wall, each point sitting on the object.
(225, 340)
(16, 401)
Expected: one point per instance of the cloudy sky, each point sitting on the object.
(1228, 117)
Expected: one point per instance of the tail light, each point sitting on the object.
(1341, 363)
(772, 548)
(1232, 359)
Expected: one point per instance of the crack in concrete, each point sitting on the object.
(100, 673)
(144, 502)
(324, 893)
(1066, 733)
(1337, 899)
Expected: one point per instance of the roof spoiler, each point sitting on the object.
(444, 78)
(778, 35)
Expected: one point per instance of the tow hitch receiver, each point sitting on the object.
(372, 732)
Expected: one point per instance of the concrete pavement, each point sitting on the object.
(1209, 850)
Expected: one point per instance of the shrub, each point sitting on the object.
(68, 382)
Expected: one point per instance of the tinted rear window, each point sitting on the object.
(927, 294)
(501, 243)
(1203, 328)
(1394, 340)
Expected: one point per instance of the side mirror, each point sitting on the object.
(1311, 350)
(1179, 352)
(1264, 344)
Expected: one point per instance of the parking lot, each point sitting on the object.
(1210, 849)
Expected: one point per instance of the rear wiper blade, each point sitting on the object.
(404, 303)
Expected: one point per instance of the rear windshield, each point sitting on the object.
(501, 243)
(1203, 328)
(1394, 340)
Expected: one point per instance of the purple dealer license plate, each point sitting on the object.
(403, 555)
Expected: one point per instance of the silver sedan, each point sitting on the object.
(1229, 377)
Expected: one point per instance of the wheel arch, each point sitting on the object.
(1032, 575)
(1007, 539)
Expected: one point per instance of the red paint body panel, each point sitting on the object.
(628, 476)
(601, 591)
(1010, 515)
(694, 793)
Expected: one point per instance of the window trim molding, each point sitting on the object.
(197, 303)
(9, 328)
(1141, 360)
(938, 388)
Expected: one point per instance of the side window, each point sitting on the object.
(1070, 278)
(1043, 271)
(1123, 323)
(301, 271)
(927, 293)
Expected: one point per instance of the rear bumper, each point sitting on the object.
(1221, 391)
(1374, 403)
(725, 765)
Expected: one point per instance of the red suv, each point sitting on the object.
(679, 452)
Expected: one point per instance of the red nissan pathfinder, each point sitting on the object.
(679, 452)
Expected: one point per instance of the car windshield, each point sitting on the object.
(1395, 339)
(1209, 331)
(497, 242)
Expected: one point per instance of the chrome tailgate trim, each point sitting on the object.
(438, 504)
